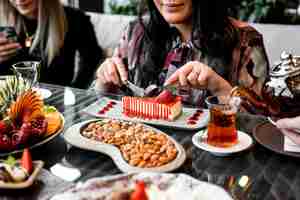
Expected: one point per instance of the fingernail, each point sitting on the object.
(124, 80)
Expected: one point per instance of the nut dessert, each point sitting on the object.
(140, 146)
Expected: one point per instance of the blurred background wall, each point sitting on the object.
(259, 11)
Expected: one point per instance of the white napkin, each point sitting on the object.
(289, 145)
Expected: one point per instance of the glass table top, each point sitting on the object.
(257, 173)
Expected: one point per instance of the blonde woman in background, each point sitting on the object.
(49, 32)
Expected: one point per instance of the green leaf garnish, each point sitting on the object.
(10, 161)
(49, 109)
(171, 88)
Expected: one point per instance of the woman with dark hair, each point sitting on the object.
(191, 43)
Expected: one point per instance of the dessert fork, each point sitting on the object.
(136, 90)
(271, 121)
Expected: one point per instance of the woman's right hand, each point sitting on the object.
(7, 49)
(111, 71)
(289, 123)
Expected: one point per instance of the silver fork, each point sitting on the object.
(136, 90)
(271, 121)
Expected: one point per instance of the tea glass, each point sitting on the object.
(221, 130)
(28, 71)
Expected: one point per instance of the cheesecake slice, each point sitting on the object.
(164, 106)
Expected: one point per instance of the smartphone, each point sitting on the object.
(9, 32)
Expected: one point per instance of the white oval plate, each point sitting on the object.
(74, 137)
(244, 142)
(164, 186)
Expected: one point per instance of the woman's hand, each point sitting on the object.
(198, 75)
(290, 127)
(289, 123)
(7, 48)
(111, 71)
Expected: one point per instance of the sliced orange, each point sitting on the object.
(54, 122)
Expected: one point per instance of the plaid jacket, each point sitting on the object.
(248, 66)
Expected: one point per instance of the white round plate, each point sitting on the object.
(244, 142)
(159, 186)
(45, 93)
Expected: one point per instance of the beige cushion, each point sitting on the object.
(109, 29)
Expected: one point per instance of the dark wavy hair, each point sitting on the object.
(212, 33)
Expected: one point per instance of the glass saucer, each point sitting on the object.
(244, 142)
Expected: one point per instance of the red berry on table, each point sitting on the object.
(26, 161)
(2, 126)
(139, 192)
(5, 142)
(5, 126)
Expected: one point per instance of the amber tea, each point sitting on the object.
(221, 127)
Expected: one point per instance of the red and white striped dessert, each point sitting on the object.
(151, 108)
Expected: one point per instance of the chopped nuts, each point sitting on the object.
(140, 146)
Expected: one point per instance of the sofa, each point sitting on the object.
(109, 29)
(277, 38)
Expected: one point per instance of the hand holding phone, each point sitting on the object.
(8, 43)
(9, 32)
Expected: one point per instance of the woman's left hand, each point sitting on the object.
(198, 75)
(290, 127)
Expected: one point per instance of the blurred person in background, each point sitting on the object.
(191, 43)
(51, 33)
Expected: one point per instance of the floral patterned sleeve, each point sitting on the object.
(126, 50)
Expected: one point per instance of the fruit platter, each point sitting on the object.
(17, 174)
(145, 186)
(134, 147)
(24, 119)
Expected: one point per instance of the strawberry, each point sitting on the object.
(5, 126)
(5, 143)
(26, 161)
(139, 192)
(165, 96)
(2, 127)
